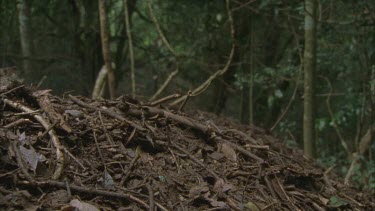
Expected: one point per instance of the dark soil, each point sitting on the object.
(75, 153)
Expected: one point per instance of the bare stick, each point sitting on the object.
(164, 99)
(219, 72)
(297, 81)
(55, 140)
(48, 129)
(169, 47)
(185, 101)
(158, 28)
(12, 90)
(335, 126)
(17, 122)
(85, 190)
(151, 197)
(288, 106)
(109, 138)
(165, 84)
(74, 158)
(106, 111)
(99, 151)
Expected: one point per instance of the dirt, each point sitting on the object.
(74, 153)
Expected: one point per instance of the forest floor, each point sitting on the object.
(74, 153)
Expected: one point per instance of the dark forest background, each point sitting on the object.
(188, 41)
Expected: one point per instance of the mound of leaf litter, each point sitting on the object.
(74, 153)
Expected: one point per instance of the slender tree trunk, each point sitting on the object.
(309, 74)
(247, 92)
(130, 41)
(105, 48)
(25, 36)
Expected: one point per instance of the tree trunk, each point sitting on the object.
(309, 74)
(130, 41)
(247, 91)
(25, 37)
(105, 48)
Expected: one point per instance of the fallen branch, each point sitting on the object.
(85, 190)
(164, 99)
(106, 111)
(17, 122)
(44, 102)
(55, 140)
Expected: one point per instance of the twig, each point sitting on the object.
(47, 130)
(130, 169)
(151, 196)
(52, 134)
(12, 90)
(85, 190)
(270, 188)
(17, 122)
(165, 84)
(161, 34)
(335, 126)
(244, 135)
(289, 104)
(74, 158)
(169, 47)
(109, 138)
(185, 101)
(99, 151)
(41, 81)
(164, 99)
(108, 112)
(23, 113)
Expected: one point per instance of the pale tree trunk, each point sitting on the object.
(25, 37)
(105, 48)
(309, 63)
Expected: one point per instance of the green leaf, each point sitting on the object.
(336, 201)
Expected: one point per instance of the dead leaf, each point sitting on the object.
(228, 152)
(78, 205)
(198, 190)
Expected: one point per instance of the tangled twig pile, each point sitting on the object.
(123, 155)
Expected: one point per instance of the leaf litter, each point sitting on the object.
(74, 153)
